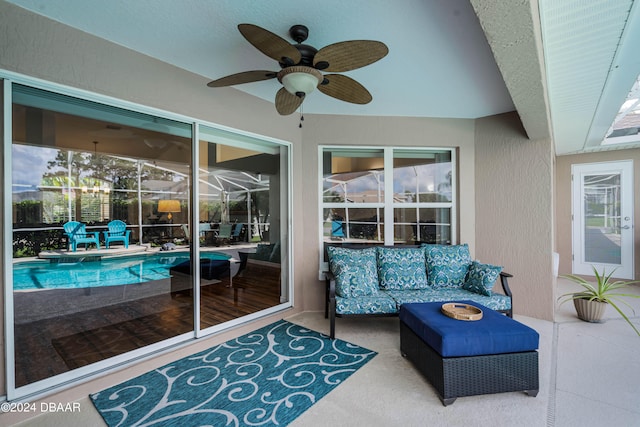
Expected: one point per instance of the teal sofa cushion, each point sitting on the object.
(496, 301)
(481, 278)
(402, 268)
(415, 295)
(375, 304)
(355, 271)
(447, 265)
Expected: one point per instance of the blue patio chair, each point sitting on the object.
(337, 230)
(117, 232)
(77, 234)
(224, 233)
(237, 232)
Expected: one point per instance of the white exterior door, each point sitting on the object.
(602, 212)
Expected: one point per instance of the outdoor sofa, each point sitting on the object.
(377, 280)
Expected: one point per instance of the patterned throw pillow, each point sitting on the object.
(355, 271)
(481, 278)
(402, 268)
(447, 265)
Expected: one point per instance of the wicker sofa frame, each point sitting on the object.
(330, 293)
(454, 377)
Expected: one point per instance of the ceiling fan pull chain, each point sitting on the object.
(301, 115)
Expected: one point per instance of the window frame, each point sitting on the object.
(387, 205)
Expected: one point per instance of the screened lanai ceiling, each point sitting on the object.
(591, 55)
(213, 182)
(566, 66)
(626, 126)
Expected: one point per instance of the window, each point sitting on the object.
(387, 195)
(422, 196)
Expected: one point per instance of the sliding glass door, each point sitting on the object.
(242, 232)
(81, 163)
(106, 246)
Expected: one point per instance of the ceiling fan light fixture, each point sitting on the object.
(300, 79)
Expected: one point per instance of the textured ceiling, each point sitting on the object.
(454, 58)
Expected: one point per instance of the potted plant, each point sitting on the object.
(591, 302)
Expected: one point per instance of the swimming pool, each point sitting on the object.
(111, 271)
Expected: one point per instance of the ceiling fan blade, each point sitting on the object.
(244, 77)
(349, 55)
(270, 44)
(287, 103)
(345, 89)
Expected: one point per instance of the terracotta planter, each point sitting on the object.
(590, 311)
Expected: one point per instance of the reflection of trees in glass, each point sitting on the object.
(259, 205)
(602, 201)
(211, 211)
(432, 198)
(332, 196)
(89, 170)
(409, 196)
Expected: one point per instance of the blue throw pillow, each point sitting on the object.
(481, 278)
(355, 271)
(447, 265)
(402, 268)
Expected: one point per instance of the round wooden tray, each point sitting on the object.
(460, 311)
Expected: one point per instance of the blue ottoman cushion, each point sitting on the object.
(495, 333)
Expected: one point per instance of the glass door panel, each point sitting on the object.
(603, 218)
(84, 163)
(243, 209)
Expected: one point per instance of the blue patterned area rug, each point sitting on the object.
(265, 378)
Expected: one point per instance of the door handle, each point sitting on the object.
(625, 227)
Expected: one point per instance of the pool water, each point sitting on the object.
(95, 273)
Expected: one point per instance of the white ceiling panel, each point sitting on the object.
(581, 40)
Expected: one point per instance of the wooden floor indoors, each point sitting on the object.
(51, 346)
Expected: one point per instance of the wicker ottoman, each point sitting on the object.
(464, 358)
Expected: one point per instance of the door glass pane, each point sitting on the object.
(243, 230)
(77, 166)
(602, 219)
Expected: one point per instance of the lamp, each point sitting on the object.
(168, 206)
(300, 80)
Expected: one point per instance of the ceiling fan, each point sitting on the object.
(302, 65)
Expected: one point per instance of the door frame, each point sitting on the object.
(624, 270)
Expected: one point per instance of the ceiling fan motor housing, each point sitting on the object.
(299, 33)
